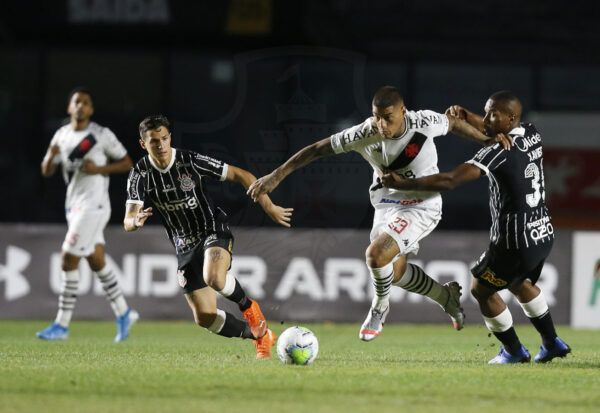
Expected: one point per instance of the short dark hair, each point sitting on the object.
(387, 96)
(153, 122)
(505, 96)
(80, 89)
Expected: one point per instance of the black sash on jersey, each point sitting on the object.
(83, 147)
(410, 152)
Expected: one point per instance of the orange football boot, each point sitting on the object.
(263, 345)
(256, 320)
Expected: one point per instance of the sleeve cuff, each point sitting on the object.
(224, 173)
(480, 166)
(134, 201)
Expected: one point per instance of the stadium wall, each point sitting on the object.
(297, 274)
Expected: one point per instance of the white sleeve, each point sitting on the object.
(354, 138)
(112, 146)
(435, 124)
(57, 159)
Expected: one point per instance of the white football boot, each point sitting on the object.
(452, 307)
(373, 325)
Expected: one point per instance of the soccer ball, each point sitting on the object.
(297, 345)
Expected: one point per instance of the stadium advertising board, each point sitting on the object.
(297, 274)
(585, 296)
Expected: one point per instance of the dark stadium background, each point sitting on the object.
(253, 81)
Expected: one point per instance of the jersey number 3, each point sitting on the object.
(532, 171)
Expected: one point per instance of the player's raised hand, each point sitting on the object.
(457, 112)
(53, 150)
(280, 215)
(263, 185)
(89, 167)
(141, 217)
(504, 140)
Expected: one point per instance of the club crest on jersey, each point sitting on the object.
(187, 183)
(181, 278)
(411, 150)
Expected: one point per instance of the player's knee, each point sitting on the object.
(69, 262)
(211, 278)
(374, 258)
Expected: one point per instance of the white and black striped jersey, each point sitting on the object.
(179, 194)
(520, 218)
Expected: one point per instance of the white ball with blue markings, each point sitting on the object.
(297, 345)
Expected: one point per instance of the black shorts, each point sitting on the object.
(191, 275)
(499, 268)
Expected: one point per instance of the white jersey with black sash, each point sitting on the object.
(96, 143)
(520, 217)
(178, 193)
(411, 155)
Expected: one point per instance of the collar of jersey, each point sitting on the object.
(403, 133)
(168, 166)
(519, 131)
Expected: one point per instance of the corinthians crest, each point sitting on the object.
(187, 183)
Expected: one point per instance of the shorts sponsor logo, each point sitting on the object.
(179, 243)
(489, 276)
(181, 278)
(187, 183)
(403, 203)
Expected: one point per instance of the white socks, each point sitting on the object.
(536, 307)
(219, 322)
(114, 294)
(382, 281)
(415, 280)
(229, 287)
(67, 297)
(500, 323)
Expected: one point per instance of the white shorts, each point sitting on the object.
(86, 229)
(407, 226)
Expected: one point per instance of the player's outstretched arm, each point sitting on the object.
(463, 129)
(48, 165)
(471, 118)
(122, 165)
(439, 182)
(268, 183)
(280, 215)
(135, 216)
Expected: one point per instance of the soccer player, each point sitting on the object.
(521, 234)
(174, 181)
(393, 139)
(88, 153)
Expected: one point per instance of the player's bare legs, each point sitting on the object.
(203, 303)
(498, 320)
(535, 307)
(216, 264)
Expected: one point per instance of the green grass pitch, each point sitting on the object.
(176, 366)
